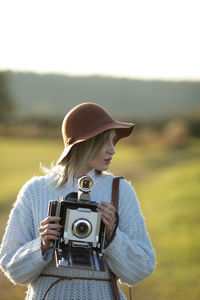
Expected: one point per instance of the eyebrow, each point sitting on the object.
(115, 136)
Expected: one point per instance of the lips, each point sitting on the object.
(107, 161)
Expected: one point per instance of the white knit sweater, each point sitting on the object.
(130, 255)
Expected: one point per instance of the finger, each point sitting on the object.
(107, 212)
(50, 226)
(49, 237)
(49, 219)
(109, 227)
(107, 203)
(52, 232)
(106, 206)
(107, 219)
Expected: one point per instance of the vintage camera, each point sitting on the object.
(82, 237)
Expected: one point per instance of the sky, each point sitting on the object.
(135, 39)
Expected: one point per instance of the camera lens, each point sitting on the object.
(86, 184)
(81, 228)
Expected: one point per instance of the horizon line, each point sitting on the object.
(102, 75)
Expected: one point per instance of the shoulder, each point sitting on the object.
(34, 184)
(128, 200)
(126, 190)
(107, 175)
(126, 187)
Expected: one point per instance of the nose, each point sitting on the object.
(111, 148)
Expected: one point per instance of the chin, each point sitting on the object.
(101, 169)
(105, 168)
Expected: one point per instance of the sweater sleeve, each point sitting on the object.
(130, 255)
(20, 254)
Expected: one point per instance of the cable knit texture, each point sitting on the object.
(130, 255)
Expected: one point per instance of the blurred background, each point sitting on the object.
(139, 60)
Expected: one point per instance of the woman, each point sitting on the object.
(90, 135)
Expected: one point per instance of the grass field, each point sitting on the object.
(167, 182)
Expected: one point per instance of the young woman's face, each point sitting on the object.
(103, 158)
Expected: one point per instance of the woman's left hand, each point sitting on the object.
(108, 217)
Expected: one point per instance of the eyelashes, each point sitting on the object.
(114, 141)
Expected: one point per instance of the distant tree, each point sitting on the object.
(6, 103)
(194, 126)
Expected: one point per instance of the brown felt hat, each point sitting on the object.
(87, 120)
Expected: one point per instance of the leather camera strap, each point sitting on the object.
(61, 278)
(115, 192)
(115, 200)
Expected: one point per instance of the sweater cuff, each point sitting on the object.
(115, 243)
(38, 252)
(107, 243)
(48, 255)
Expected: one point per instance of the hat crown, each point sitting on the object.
(82, 120)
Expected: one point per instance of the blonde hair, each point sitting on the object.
(77, 159)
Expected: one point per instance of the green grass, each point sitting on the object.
(20, 160)
(167, 183)
(171, 202)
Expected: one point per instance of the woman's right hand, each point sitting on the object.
(49, 232)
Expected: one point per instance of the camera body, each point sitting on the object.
(82, 237)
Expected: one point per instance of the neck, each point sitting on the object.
(82, 172)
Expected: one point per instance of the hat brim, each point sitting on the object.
(122, 130)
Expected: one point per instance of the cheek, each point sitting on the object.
(98, 158)
(101, 155)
